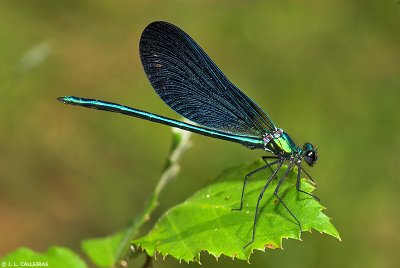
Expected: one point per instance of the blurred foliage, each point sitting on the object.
(326, 72)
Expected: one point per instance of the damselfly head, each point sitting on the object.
(310, 154)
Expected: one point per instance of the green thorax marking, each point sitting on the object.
(282, 144)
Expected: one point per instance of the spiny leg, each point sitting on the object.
(280, 199)
(269, 157)
(245, 181)
(298, 182)
(308, 175)
(259, 199)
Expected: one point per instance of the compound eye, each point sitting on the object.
(310, 157)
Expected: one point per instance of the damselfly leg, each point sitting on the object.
(280, 199)
(308, 175)
(248, 176)
(298, 182)
(260, 197)
(264, 158)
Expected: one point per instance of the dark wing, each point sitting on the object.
(188, 81)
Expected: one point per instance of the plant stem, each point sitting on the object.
(180, 143)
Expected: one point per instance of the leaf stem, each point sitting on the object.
(180, 143)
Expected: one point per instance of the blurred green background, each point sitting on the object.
(326, 72)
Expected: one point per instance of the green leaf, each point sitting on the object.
(55, 257)
(103, 251)
(206, 222)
